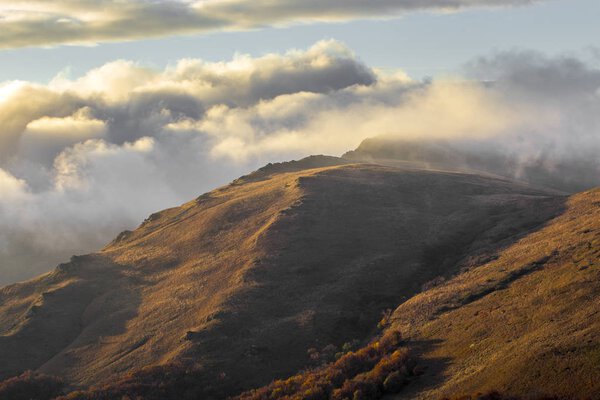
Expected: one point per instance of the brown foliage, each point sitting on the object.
(356, 375)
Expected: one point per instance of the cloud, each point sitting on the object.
(70, 150)
(133, 101)
(555, 98)
(82, 159)
(46, 137)
(44, 23)
(88, 200)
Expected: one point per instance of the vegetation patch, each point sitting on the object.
(382, 367)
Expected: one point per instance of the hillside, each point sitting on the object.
(526, 323)
(245, 279)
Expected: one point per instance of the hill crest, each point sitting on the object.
(260, 271)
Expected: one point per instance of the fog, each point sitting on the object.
(82, 159)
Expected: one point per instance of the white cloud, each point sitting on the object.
(82, 159)
(13, 189)
(97, 189)
(43, 23)
(44, 138)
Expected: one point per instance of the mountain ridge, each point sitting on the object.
(568, 176)
(523, 324)
(261, 270)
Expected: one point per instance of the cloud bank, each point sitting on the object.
(46, 23)
(82, 159)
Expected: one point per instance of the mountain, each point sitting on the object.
(524, 323)
(239, 283)
(539, 168)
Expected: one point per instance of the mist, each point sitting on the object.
(83, 158)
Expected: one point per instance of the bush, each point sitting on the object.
(360, 374)
(356, 375)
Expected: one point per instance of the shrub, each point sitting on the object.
(360, 374)
(356, 375)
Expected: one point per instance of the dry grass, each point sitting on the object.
(243, 280)
(526, 324)
(382, 367)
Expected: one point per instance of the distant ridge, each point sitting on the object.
(567, 176)
(310, 162)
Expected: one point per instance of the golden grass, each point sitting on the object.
(527, 323)
(244, 279)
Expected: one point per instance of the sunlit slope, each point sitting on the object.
(526, 323)
(246, 278)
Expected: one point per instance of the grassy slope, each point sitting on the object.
(526, 323)
(246, 278)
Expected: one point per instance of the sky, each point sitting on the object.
(424, 43)
(112, 110)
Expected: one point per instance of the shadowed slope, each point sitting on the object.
(246, 278)
(527, 323)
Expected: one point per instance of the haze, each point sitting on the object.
(103, 121)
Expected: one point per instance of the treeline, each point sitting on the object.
(382, 367)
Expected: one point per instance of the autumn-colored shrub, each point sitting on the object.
(31, 385)
(360, 375)
(356, 375)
